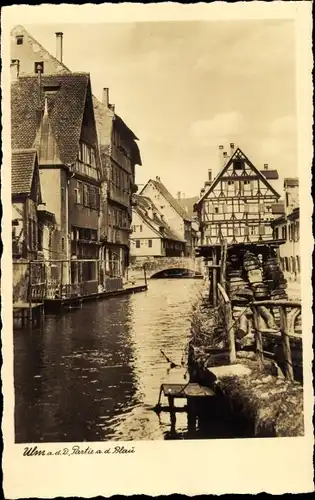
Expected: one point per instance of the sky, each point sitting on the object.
(186, 87)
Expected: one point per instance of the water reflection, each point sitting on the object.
(95, 373)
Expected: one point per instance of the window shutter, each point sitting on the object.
(261, 230)
(246, 208)
(246, 230)
(261, 208)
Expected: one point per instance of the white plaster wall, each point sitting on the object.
(172, 218)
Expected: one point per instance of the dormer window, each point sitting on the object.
(19, 40)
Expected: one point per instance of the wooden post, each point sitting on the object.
(61, 278)
(30, 292)
(145, 275)
(223, 264)
(229, 324)
(214, 280)
(258, 338)
(286, 343)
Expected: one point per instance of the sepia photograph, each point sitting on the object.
(156, 239)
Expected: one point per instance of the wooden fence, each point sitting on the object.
(282, 334)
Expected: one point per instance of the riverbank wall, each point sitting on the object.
(268, 404)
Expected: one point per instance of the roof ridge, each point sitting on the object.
(176, 205)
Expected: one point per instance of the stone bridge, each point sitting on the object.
(153, 266)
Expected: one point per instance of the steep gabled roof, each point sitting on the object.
(167, 195)
(188, 205)
(65, 108)
(142, 205)
(238, 153)
(20, 30)
(23, 163)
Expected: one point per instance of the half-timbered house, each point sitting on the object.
(237, 205)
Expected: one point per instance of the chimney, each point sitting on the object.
(266, 166)
(112, 107)
(178, 195)
(209, 175)
(59, 46)
(106, 96)
(232, 147)
(15, 69)
(158, 179)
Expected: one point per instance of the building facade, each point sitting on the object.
(151, 236)
(54, 114)
(174, 214)
(119, 156)
(118, 152)
(287, 227)
(236, 206)
(26, 197)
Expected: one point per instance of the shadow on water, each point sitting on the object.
(94, 374)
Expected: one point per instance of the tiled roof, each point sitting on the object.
(270, 174)
(188, 205)
(278, 208)
(291, 182)
(167, 195)
(22, 170)
(142, 205)
(65, 111)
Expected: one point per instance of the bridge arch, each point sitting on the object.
(154, 266)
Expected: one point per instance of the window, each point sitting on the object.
(253, 230)
(140, 228)
(216, 210)
(261, 230)
(230, 183)
(85, 195)
(298, 264)
(293, 264)
(62, 243)
(62, 194)
(150, 243)
(39, 67)
(76, 196)
(19, 40)
(137, 243)
(276, 233)
(238, 164)
(284, 232)
(230, 231)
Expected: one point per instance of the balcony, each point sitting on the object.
(86, 170)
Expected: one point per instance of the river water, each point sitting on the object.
(94, 374)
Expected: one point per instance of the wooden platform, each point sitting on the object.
(185, 391)
(188, 391)
(58, 305)
(29, 314)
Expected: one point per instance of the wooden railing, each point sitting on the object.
(282, 334)
(289, 312)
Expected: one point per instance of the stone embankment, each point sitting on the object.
(271, 405)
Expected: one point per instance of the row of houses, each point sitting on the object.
(162, 225)
(73, 169)
(242, 205)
